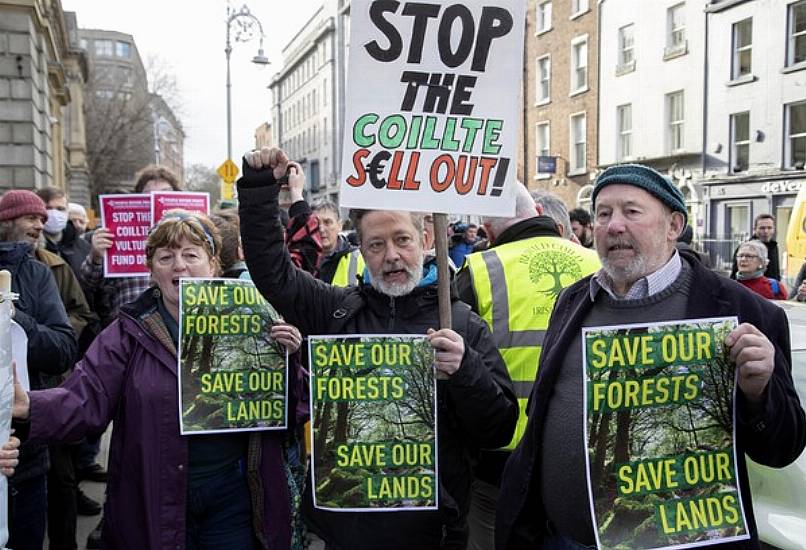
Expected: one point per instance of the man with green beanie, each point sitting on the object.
(638, 214)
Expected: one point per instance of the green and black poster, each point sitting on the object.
(373, 409)
(232, 375)
(660, 433)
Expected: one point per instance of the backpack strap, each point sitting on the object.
(776, 288)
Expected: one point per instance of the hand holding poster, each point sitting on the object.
(128, 218)
(232, 376)
(432, 112)
(373, 405)
(660, 429)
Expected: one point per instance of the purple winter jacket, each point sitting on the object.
(128, 376)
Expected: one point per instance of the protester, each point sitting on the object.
(764, 231)
(639, 214)
(477, 407)
(78, 215)
(513, 286)
(61, 235)
(463, 244)
(52, 348)
(552, 206)
(166, 490)
(752, 260)
(341, 262)
(107, 295)
(581, 226)
(65, 499)
(799, 288)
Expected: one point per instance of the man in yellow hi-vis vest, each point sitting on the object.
(513, 287)
(341, 261)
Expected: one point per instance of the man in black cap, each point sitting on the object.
(638, 215)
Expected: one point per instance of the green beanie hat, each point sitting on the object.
(646, 178)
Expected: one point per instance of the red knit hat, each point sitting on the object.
(21, 202)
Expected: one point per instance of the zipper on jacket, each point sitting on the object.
(391, 324)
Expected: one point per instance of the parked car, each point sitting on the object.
(779, 495)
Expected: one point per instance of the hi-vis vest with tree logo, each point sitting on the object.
(350, 265)
(516, 285)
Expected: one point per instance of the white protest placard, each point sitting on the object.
(433, 106)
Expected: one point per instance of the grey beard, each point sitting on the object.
(398, 289)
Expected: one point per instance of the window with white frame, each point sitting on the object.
(624, 122)
(104, 48)
(543, 141)
(579, 144)
(123, 49)
(796, 135)
(578, 7)
(675, 116)
(579, 64)
(543, 14)
(626, 45)
(742, 48)
(796, 33)
(543, 79)
(676, 28)
(739, 142)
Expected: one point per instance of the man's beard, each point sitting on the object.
(415, 274)
(642, 263)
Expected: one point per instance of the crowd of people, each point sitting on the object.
(510, 403)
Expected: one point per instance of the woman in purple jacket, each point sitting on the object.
(166, 490)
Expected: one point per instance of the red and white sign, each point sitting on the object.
(128, 218)
(162, 201)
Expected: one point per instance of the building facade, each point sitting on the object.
(41, 81)
(560, 98)
(755, 143)
(263, 136)
(651, 64)
(303, 106)
(169, 138)
(120, 122)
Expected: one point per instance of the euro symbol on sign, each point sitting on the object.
(376, 167)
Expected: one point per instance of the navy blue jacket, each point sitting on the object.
(52, 345)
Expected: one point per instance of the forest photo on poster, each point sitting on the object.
(660, 434)
(373, 408)
(232, 375)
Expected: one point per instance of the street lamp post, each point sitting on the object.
(245, 26)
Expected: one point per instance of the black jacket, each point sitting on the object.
(477, 405)
(774, 438)
(773, 270)
(52, 343)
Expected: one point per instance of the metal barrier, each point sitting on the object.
(719, 251)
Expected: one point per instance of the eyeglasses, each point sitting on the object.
(745, 256)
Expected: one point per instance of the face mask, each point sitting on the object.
(57, 220)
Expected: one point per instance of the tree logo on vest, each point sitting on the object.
(552, 267)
